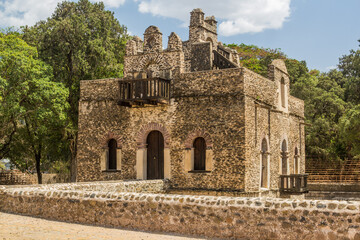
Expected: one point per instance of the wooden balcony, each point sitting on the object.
(293, 183)
(148, 91)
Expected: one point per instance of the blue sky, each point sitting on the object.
(317, 31)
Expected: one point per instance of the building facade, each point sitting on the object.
(192, 114)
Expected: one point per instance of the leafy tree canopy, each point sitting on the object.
(32, 109)
(80, 41)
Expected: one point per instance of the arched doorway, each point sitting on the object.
(155, 155)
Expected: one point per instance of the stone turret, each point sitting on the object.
(211, 24)
(196, 17)
(201, 30)
(152, 39)
(196, 33)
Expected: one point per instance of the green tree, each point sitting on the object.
(33, 108)
(324, 106)
(350, 130)
(80, 41)
(256, 58)
(349, 65)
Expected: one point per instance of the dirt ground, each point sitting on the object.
(21, 227)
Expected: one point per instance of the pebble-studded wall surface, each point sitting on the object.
(209, 216)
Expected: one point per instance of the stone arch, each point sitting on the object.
(284, 157)
(296, 169)
(283, 92)
(108, 137)
(264, 162)
(145, 130)
(198, 133)
(209, 39)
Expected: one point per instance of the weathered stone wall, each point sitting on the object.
(236, 108)
(200, 103)
(201, 56)
(265, 118)
(16, 177)
(214, 217)
(148, 186)
(154, 62)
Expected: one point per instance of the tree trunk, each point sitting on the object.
(73, 159)
(38, 170)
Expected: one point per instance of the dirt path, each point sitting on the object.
(21, 227)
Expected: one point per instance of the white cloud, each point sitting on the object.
(111, 3)
(236, 16)
(25, 12)
(28, 12)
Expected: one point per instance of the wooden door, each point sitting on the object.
(199, 154)
(155, 155)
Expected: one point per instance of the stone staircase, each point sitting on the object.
(347, 171)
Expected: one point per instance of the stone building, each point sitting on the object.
(192, 114)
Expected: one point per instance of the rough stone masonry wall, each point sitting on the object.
(148, 186)
(204, 101)
(220, 217)
(154, 62)
(201, 103)
(264, 118)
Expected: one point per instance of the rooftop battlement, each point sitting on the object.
(148, 58)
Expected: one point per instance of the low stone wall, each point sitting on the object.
(334, 187)
(14, 177)
(334, 191)
(140, 186)
(210, 216)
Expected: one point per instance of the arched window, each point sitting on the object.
(112, 154)
(199, 153)
(282, 90)
(284, 157)
(296, 161)
(264, 164)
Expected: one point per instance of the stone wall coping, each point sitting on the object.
(216, 71)
(84, 185)
(84, 82)
(215, 201)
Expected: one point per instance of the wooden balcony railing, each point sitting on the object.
(293, 183)
(139, 92)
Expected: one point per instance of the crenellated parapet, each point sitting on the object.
(174, 42)
(134, 46)
(148, 59)
(152, 39)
